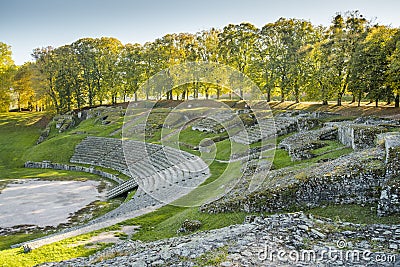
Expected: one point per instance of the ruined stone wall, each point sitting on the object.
(351, 188)
(357, 136)
(57, 166)
(389, 202)
(306, 123)
(356, 178)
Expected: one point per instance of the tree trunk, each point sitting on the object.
(397, 101)
(324, 102)
(297, 97)
(376, 103)
(339, 100)
(297, 94)
(268, 95)
(218, 92)
(353, 99)
(282, 96)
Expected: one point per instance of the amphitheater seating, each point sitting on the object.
(211, 123)
(265, 129)
(150, 166)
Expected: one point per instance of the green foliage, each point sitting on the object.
(7, 68)
(289, 57)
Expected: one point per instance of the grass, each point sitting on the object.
(58, 251)
(354, 213)
(213, 258)
(226, 148)
(18, 132)
(332, 150)
(8, 240)
(188, 136)
(164, 222)
(222, 176)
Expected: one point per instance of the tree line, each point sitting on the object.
(289, 59)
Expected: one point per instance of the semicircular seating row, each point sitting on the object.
(266, 128)
(163, 172)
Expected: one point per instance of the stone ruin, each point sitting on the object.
(370, 174)
(362, 132)
(283, 123)
(358, 134)
(213, 123)
(299, 145)
(64, 122)
(389, 202)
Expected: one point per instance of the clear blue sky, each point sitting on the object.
(27, 24)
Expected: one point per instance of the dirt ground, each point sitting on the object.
(44, 203)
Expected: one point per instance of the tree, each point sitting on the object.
(23, 86)
(284, 50)
(7, 69)
(394, 69)
(236, 45)
(47, 65)
(321, 86)
(132, 68)
(343, 36)
(87, 56)
(109, 77)
(370, 65)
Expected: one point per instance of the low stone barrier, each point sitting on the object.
(65, 167)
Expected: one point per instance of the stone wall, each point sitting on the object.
(389, 202)
(356, 178)
(362, 132)
(357, 136)
(306, 123)
(299, 145)
(364, 136)
(57, 166)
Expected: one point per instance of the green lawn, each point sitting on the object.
(332, 150)
(58, 251)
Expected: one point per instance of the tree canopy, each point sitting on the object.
(289, 59)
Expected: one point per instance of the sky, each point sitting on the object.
(28, 24)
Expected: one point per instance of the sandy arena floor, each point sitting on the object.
(44, 203)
